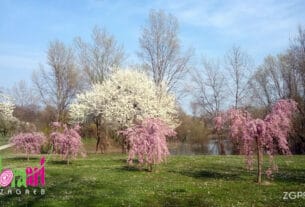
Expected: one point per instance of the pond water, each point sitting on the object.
(209, 148)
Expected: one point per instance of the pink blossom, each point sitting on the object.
(270, 134)
(30, 143)
(56, 124)
(148, 141)
(67, 142)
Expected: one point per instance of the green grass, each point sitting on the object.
(105, 180)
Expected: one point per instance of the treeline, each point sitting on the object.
(237, 83)
(214, 85)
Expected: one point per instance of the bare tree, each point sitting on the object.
(210, 93)
(161, 50)
(238, 65)
(295, 64)
(276, 78)
(58, 84)
(98, 58)
(260, 89)
(209, 88)
(267, 83)
(23, 94)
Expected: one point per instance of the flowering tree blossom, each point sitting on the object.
(268, 135)
(6, 107)
(123, 98)
(148, 141)
(66, 141)
(6, 113)
(29, 143)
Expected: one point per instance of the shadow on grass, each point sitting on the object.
(22, 158)
(121, 160)
(293, 176)
(133, 168)
(129, 168)
(59, 162)
(207, 174)
(178, 200)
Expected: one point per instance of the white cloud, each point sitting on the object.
(262, 26)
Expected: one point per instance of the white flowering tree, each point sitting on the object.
(6, 113)
(126, 97)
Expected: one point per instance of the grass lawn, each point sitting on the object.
(105, 180)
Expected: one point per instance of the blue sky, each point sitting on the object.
(210, 27)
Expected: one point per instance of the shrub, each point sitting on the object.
(147, 142)
(29, 143)
(66, 141)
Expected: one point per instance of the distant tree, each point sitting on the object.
(295, 61)
(58, 85)
(23, 95)
(148, 142)
(27, 113)
(260, 135)
(160, 49)
(6, 113)
(29, 143)
(98, 58)
(66, 141)
(127, 96)
(267, 83)
(26, 101)
(210, 92)
(192, 130)
(6, 107)
(238, 65)
(209, 88)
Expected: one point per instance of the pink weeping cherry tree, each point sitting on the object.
(29, 143)
(259, 136)
(147, 142)
(66, 141)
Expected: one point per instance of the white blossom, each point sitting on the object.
(6, 108)
(126, 96)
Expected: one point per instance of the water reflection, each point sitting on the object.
(207, 148)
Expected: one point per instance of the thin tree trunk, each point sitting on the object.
(221, 147)
(98, 135)
(259, 162)
(236, 148)
(104, 141)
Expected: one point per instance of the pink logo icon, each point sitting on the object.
(6, 177)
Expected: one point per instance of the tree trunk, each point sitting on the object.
(221, 146)
(104, 143)
(235, 148)
(98, 135)
(259, 162)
